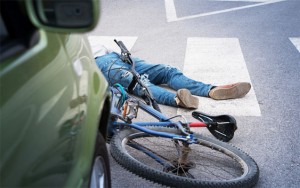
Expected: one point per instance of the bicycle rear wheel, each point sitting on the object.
(212, 163)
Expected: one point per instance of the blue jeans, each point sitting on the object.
(115, 71)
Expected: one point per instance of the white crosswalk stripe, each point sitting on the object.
(254, 1)
(296, 42)
(219, 61)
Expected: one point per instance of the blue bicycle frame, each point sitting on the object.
(118, 96)
(222, 127)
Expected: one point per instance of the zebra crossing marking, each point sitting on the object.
(219, 61)
(296, 42)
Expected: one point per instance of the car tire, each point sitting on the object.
(100, 171)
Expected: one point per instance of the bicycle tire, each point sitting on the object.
(227, 154)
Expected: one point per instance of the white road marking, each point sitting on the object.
(108, 41)
(172, 16)
(170, 10)
(296, 42)
(219, 61)
(254, 1)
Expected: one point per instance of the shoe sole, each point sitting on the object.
(187, 99)
(237, 91)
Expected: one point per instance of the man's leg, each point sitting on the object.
(161, 95)
(114, 70)
(174, 78)
(182, 98)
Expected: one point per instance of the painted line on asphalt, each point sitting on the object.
(172, 15)
(219, 61)
(108, 42)
(296, 42)
(170, 11)
(251, 1)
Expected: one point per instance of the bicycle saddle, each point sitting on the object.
(222, 126)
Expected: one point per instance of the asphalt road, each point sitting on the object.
(265, 30)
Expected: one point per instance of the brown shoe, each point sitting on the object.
(185, 99)
(232, 91)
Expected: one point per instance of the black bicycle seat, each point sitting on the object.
(222, 126)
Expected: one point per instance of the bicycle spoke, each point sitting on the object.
(217, 163)
(160, 146)
(165, 152)
(175, 163)
(154, 155)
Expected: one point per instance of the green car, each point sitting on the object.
(55, 102)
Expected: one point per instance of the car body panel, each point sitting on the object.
(52, 97)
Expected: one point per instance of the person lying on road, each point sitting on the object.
(153, 75)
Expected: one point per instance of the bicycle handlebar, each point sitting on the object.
(125, 54)
(122, 46)
(126, 57)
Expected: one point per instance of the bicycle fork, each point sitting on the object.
(183, 152)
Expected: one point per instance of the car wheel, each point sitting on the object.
(100, 172)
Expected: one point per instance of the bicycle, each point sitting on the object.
(167, 151)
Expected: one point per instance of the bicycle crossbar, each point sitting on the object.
(140, 126)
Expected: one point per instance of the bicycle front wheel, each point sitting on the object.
(211, 163)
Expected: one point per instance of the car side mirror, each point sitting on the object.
(64, 15)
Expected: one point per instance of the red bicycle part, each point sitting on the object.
(197, 124)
